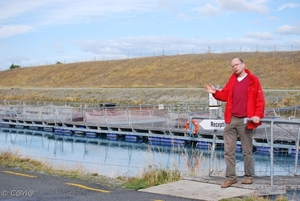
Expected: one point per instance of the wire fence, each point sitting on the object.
(172, 52)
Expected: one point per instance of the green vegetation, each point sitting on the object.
(12, 66)
(153, 176)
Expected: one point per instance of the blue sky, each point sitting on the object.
(41, 32)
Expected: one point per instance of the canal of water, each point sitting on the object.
(118, 157)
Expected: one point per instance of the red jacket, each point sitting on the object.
(255, 103)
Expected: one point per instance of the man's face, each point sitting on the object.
(237, 66)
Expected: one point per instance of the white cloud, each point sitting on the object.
(166, 4)
(208, 9)
(19, 16)
(75, 11)
(15, 8)
(39, 13)
(257, 6)
(295, 42)
(288, 30)
(273, 18)
(133, 45)
(289, 5)
(244, 6)
(67, 13)
(259, 35)
(11, 30)
(7, 61)
(150, 45)
(181, 16)
(59, 48)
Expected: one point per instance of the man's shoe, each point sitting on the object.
(247, 180)
(228, 183)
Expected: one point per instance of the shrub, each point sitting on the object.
(12, 66)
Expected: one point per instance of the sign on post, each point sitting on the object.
(213, 103)
(212, 124)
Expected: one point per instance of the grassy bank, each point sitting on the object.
(153, 80)
(151, 176)
(275, 70)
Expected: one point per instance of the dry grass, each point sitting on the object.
(152, 80)
(275, 70)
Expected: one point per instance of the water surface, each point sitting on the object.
(117, 157)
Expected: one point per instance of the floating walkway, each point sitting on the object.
(157, 125)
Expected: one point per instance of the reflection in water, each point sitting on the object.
(120, 158)
(193, 161)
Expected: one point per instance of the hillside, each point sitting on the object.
(276, 70)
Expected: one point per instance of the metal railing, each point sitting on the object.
(272, 123)
(169, 117)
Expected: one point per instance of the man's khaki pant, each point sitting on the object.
(237, 128)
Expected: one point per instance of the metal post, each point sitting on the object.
(213, 146)
(105, 117)
(191, 126)
(128, 117)
(272, 154)
(297, 153)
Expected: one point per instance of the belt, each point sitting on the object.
(239, 117)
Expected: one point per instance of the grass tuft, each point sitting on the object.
(153, 176)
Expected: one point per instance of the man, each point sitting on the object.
(244, 99)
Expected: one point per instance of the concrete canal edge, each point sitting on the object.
(208, 188)
(198, 190)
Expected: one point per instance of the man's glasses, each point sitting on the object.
(234, 65)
